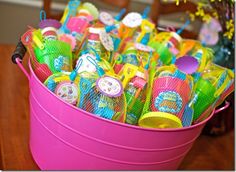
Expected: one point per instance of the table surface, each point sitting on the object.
(208, 153)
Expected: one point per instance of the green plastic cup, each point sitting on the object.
(56, 54)
(204, 95)
(164, 53)
(134, 113)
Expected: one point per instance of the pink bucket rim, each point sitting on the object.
(115, 122)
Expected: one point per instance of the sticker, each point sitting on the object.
(96, 45)
(86, 66)
(132, 20)
(131, 119)
(50, 37)
(105, 107)
(106, 18)
(174, 50)
(131, 59)
(131, 90)
(109, 86)
(222, 79)
(169, 102)
(68, 91)
(199, 55)
(59, 62)
(106, 41)
(165, 74)
(143, 47)
(187, 117)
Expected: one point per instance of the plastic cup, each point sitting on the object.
(134, 114)
(164, 53)
(170, 95)
(56, 54)
(204, 92)
(187, 64)
(159, 120)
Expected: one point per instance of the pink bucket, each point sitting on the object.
(63, 137)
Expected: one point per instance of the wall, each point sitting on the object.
(17, 14)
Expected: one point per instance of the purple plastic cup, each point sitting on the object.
(187, 64)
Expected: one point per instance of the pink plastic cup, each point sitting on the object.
(170, 95)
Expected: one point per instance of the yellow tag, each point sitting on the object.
(165, 69)
(37, 37)
(127, 72)
(162, 37)
(146, 27)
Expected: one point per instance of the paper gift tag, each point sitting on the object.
(143, 47)
(132, 20)
(68, 91)
(106, 41)
(106, 18)
(109, 86)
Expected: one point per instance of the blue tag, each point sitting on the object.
(168, 101)
(187, 116)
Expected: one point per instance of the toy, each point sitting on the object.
(65, 88)
(125, 69)
(41, 70)
(105, 98)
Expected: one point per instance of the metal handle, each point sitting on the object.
(19, 52)
(18, 56)
(227, 104)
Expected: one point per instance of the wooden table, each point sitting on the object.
(208, 153)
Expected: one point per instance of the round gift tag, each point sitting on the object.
(106, 41)
(68, 91)
(106, 18)
(143, 47)
(132, 20)
(169, 102)
(86, 66)
(109, 86)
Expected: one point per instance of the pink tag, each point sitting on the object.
(139, 82)
(174, 50)
(76, 24)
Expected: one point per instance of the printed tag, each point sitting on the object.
(132, 20)
(168, 101)
(60, 63)
(106, 18)
(109, 86)
(106, 40)
(68, 91)
(143, 47)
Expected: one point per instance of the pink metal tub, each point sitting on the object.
(63, 137)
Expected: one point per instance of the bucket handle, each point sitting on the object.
(18, 56)
(227, 104)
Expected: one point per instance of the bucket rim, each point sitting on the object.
(116, 122)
